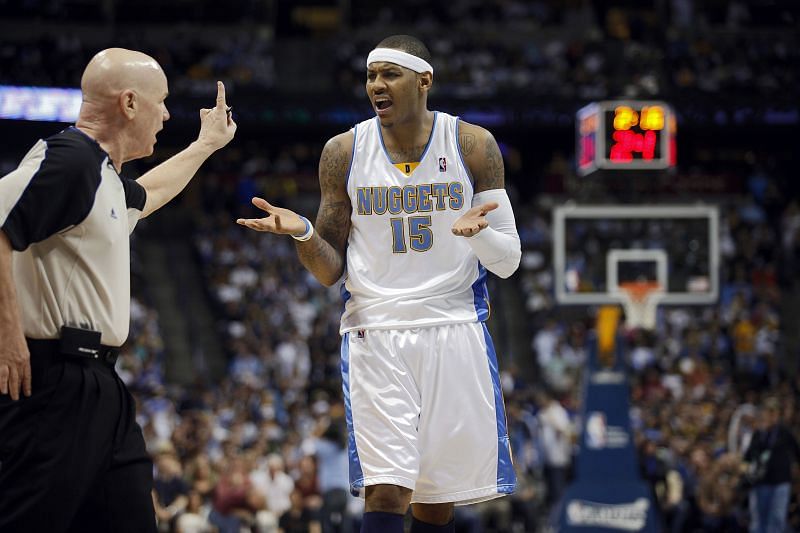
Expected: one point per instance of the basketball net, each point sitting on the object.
(640, 300)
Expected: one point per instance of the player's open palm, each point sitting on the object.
(474, 220)
(278, 220)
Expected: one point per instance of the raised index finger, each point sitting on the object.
(221, 96)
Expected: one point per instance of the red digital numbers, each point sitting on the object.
(628, 142)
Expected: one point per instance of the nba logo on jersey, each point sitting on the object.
(442, 164)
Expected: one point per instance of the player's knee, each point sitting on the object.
(437, 514)
(387, 499)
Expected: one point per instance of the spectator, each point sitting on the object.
(201, 476)
(556, 431)
(236, 502)
(307, 482)
(717, 494)
(272, 480)
(330, 450)
(299, 518)
(769, 459)
(170, 491)
(194, 519)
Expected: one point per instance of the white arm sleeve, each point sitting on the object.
(497, 246)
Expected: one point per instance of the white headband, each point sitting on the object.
(398, 57)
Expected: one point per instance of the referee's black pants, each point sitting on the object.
(72, 457)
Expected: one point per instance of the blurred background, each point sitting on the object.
(233, 353)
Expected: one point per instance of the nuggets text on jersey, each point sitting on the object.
(409, 198)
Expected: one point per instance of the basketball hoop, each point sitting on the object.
(640, 300)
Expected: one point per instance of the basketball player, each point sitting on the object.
(413, 212)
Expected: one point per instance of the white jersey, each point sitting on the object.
(405, 268)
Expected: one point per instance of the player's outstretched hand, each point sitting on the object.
(217, 127)
(474, 220)
(278, 220)
(15, 364)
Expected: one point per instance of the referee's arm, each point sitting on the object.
(15, 368)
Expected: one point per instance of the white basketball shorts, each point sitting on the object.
(425, 411)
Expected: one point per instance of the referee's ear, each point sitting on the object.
(128, 103)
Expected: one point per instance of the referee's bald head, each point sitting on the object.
(116, 69)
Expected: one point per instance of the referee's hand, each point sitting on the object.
(15, 360)
(217, 126)
(15, 363)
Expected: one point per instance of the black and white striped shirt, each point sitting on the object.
(69, 214)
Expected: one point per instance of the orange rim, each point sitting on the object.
(639, 290)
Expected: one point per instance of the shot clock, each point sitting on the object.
(625, 134)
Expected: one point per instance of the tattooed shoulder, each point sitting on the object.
(487, 166)
(467, 142)
(335, 159)
(333, 217)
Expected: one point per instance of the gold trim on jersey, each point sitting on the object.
(407, 168)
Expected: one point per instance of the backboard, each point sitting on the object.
(598, 248)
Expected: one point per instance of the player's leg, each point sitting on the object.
(462, 428)
(385, 508)
(432, 518)
(382, 412)
(387, 499)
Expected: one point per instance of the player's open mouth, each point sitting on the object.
(383, 104)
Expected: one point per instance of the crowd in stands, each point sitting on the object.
(582, 52)
(243, 60)
(566, 50)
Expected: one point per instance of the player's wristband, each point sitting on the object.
(307, 234)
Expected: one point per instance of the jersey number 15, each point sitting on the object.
(420, 236)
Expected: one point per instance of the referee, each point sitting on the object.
(72, 457)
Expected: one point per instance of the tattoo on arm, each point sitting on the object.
(323, 255)
(492, 175)
(332, 164)
(467, 141)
